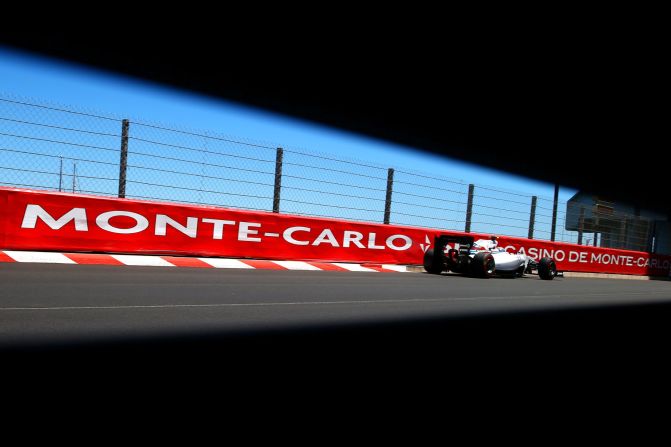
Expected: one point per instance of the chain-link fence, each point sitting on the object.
(46, 146)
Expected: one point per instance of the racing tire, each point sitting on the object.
(547, 269)
(483, 265)
(429, 265)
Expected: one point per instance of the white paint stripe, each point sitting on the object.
(396, 268)
(353, 267)
(39, 256)
(448, 300)
(296, 265)
(153, 261)
(226, 263)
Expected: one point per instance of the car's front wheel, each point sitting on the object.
(547, 269)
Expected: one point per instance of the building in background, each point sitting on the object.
(605, 223)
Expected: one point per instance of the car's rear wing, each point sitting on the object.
(441, 241)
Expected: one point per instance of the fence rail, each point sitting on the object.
(59, 148)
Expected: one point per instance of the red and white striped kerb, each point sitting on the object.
(178, 261)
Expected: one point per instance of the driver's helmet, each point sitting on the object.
(494, 238)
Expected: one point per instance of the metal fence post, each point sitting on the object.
(74, 176)
(387, 201)
(581, 224)
(625, 233)
(554, 213)
(469, 208)
(123, 162)
(278, 180)
(60, 177)
(532, 217)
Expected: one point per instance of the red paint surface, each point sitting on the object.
(89, 258)
(186, 262)
(5, 258)
(260, 264)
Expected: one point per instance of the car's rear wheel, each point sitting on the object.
(483, 265)
(547, 269)
(429, 265)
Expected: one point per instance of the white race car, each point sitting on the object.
(483, 259)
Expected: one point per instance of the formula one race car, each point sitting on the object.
(483, 259)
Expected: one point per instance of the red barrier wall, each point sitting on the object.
(38, 220)
(581, 258)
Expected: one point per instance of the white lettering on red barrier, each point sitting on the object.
(103, 221)
(288, 235)
(218, 227)
(405, 246)
(30, 220)
(244, 232)
(33, 212)
(326, 236)
(162, 222)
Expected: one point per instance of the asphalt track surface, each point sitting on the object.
(44, 304)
